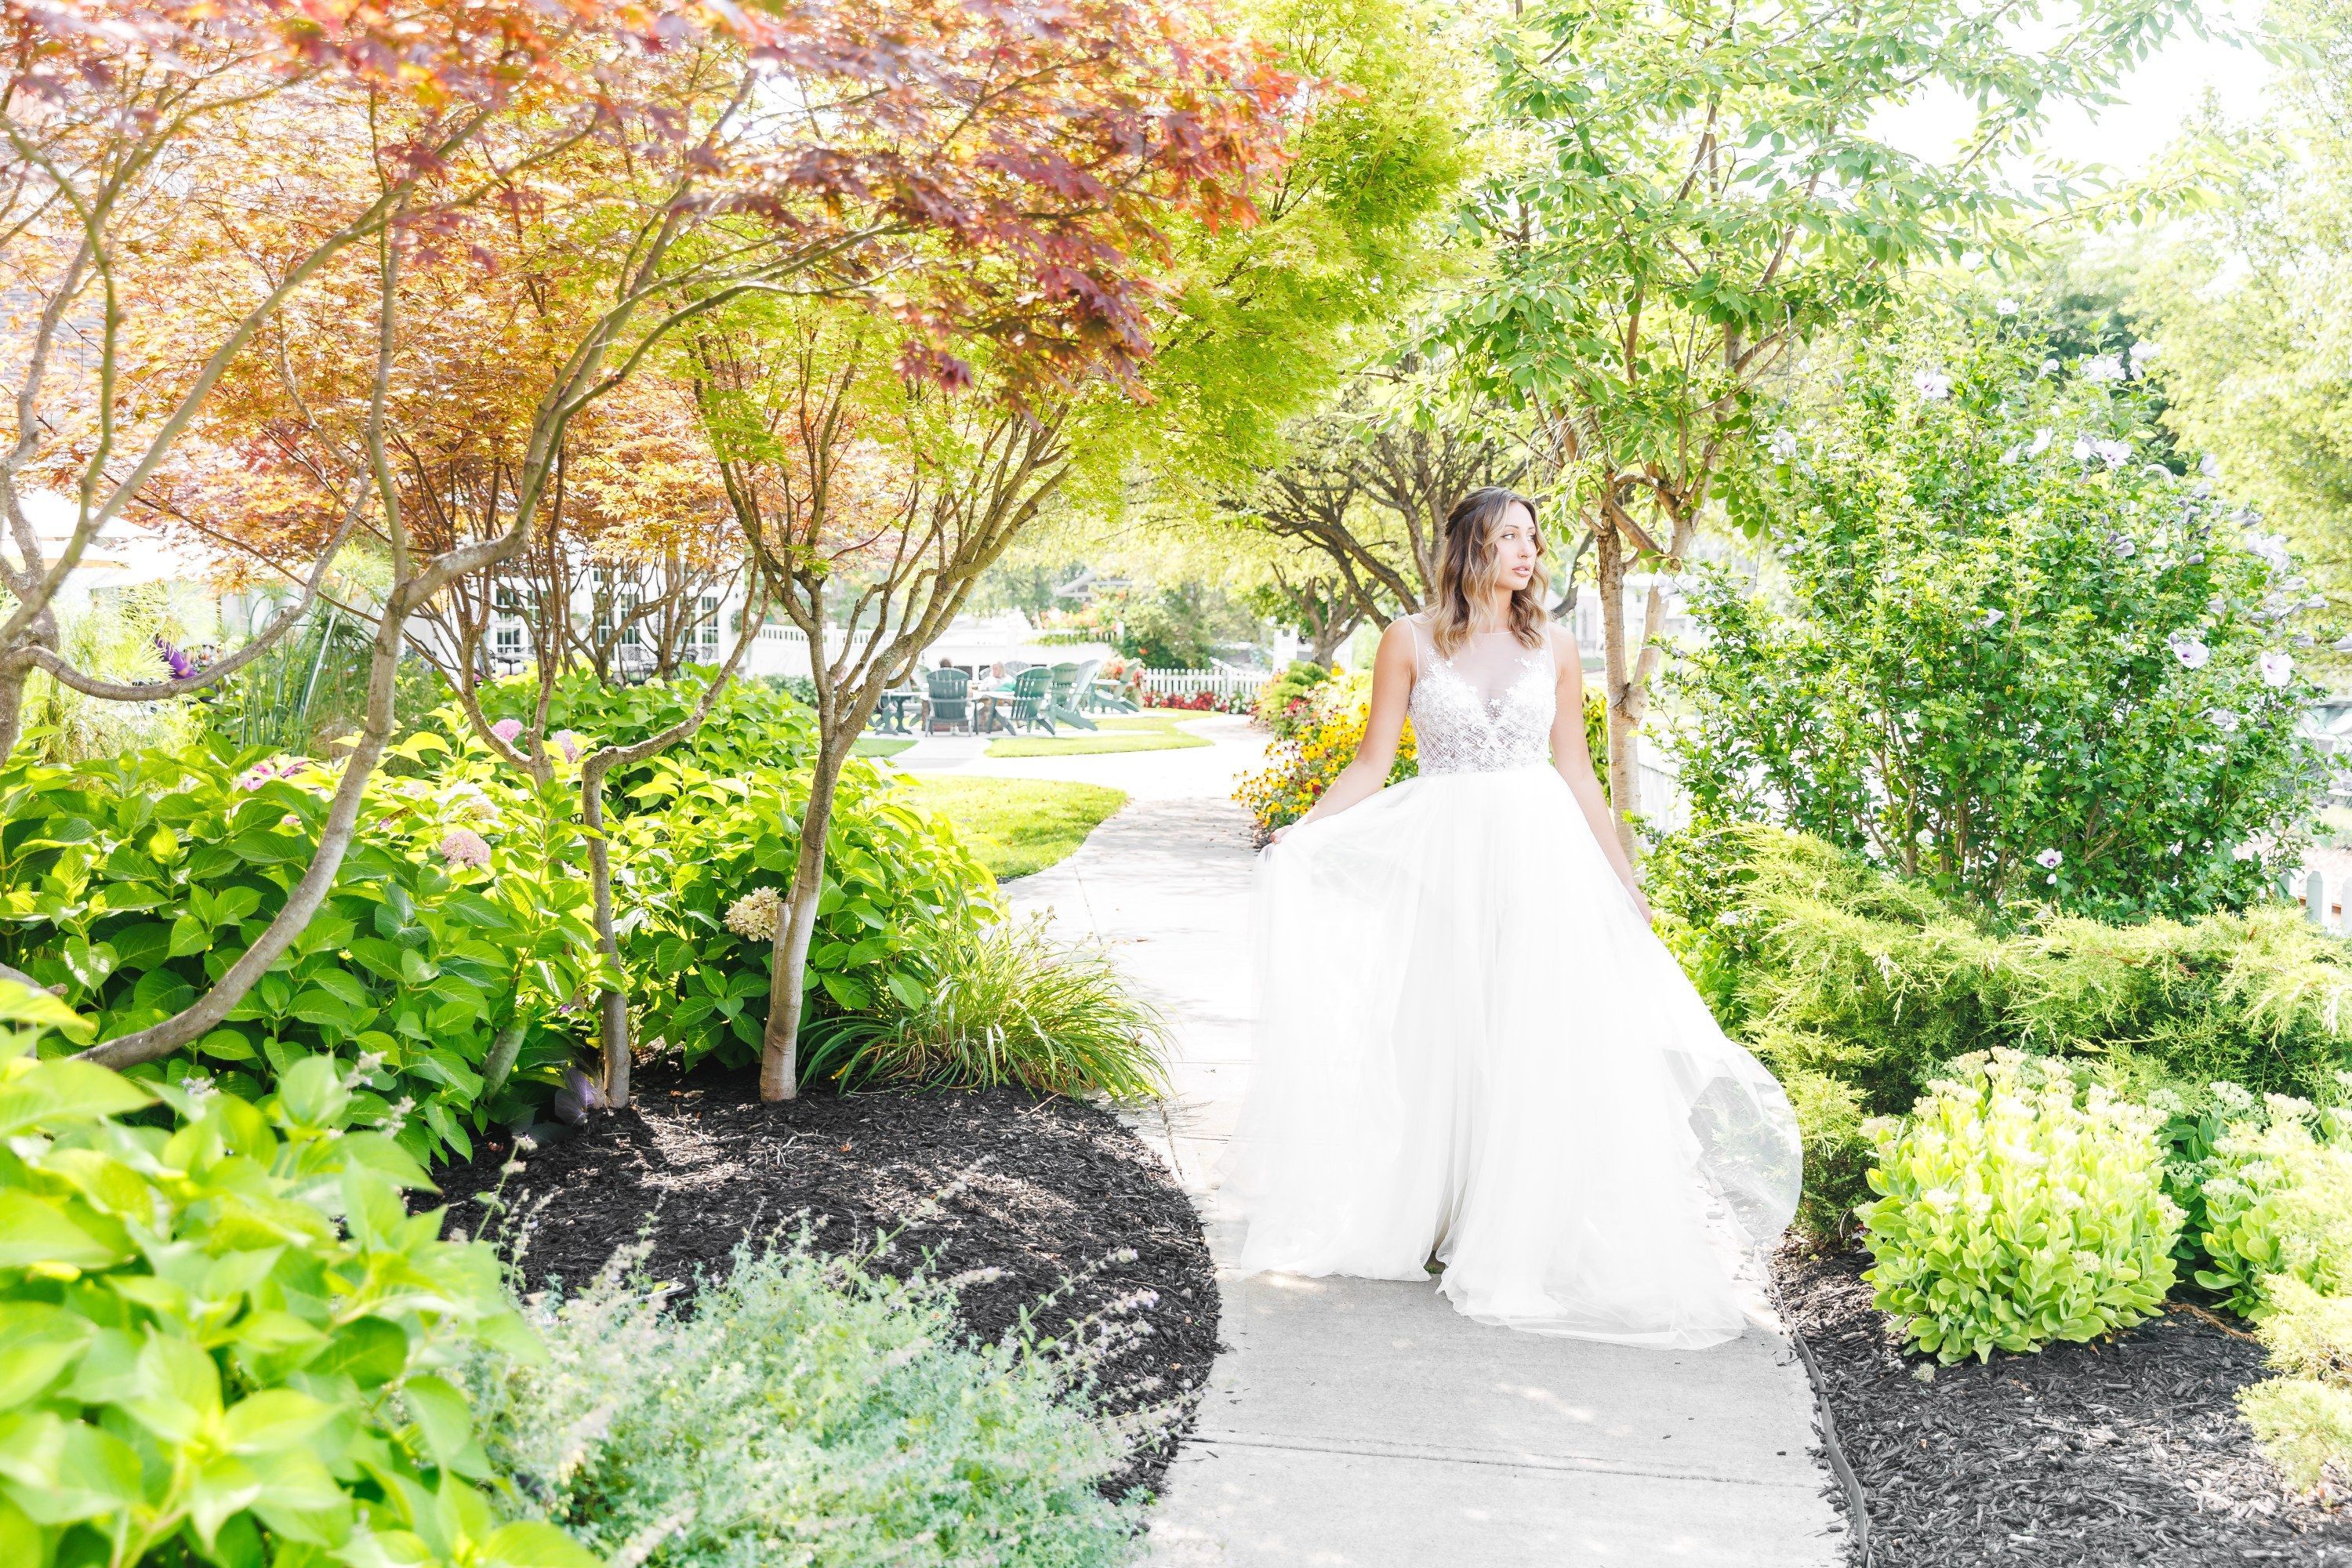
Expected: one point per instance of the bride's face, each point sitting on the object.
(1515, 547)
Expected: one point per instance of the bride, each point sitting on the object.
(1472, 1052)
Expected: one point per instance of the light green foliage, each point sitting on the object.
(2010, 1214)
(2013, 657)
(1014, 826)
(1269, 317)
(231, 1341)
(2246, 295)
(756, 725)
(1156, 732)
(899, 886)
(1826, 961)
(1008, 1006)
(136, 881)
(1831, 1126)
(2303, 1418)
(2308, 1333)
(2304, 1427)
(114, 641)
(2277, 1195)
(1646, 278)
(803, 1413)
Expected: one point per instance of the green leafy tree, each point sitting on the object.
(2256, 355)
(1695, 188)
(2016, 658)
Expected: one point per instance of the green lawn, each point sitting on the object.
(1151, 732)
(880, 745)
(1016, 825)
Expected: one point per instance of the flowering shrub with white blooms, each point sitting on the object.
(1999, 630)
(2010, 1212)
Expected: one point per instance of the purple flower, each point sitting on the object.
(464, 846)
(506, 730)
(570, 742)
(275, 768)
(178, 661)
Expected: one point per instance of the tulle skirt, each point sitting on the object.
(1470, 1046)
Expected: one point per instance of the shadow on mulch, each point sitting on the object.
(1049, 1189)
(2126, 1451)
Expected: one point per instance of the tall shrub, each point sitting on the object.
(2015, 656)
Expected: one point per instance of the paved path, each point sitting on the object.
(1362, 1422)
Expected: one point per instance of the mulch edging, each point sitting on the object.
(2126, 1451)
(1042, 1189)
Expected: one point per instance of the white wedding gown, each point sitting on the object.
(1470, 1045)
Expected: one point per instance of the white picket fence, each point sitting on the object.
(1222, 683)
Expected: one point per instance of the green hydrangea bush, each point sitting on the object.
(705, 858)
(2012, 1211)
(802, 1412)
(447, 965)
(229, 1341)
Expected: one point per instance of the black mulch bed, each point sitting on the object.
(1050, 1189)
(2127, 1451)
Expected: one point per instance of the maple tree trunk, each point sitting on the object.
(1618, 686)
(612, 1001)
(12, 705)
(788, 962)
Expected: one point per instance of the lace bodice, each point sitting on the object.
(1487, 708)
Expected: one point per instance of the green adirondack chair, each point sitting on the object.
(951, 700)
(1062, 706)
(1024, 707)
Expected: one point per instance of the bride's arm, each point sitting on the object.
(1570, 755)
(1393, 672)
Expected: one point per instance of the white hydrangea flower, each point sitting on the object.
(2277, 668)
(757, 914)
(1783, 446)
(2189, 648)
(2114, 454)
(2050, 367)
(1932, 385)
(2050, 859)
(2007, 307)
(2210, 465)
(2103, 368)
(2043, 436)
(2222, 719)
(2084, 450)
(2142, 352)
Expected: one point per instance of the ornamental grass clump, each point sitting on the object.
(1010, 1006)
(802, 1412)
(2010, 1214)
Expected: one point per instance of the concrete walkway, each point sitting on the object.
(1365, 1423)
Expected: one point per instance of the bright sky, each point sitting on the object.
(2158, 96)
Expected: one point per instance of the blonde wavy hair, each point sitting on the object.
(1466, 571)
